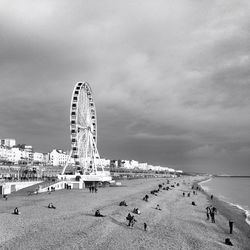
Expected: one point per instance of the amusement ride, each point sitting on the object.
(84, 157)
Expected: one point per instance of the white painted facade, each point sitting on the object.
(58, 157)
(3, 152)
(8, 142)
(16, 154)
(102, 162)
(38, 157)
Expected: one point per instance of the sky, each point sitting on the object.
(170, 79)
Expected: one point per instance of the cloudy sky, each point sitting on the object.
(171, 79)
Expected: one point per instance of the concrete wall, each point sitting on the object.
(61, 185)
(9, 187)
(56, 186)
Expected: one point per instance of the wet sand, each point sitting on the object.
(72, 225)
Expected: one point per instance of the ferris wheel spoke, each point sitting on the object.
(81, 127)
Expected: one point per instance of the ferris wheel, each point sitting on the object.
(83, 129)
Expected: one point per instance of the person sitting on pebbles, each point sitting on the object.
(16, 211)
(51, 206)
(123, 203)
(136, 211)
(228, 242)
(98, 214)
(193, 203)
(145, 198)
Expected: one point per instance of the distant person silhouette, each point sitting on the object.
(212, 215)
(158, 207)
(228, 242)
(98, 214)
(16, 211)
(51, 206)
(208, 211)
(231, 226)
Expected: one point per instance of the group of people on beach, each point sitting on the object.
(131, 219)
(93, 189)
(211, 211)
(17, 212)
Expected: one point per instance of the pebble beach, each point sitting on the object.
(72, 225)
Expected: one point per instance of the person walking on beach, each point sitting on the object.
(231, 226)
(214, 209)
(212, 214)
(132, 222)
(211, 197)
(145, 226)
(129, 217)
(208, 211)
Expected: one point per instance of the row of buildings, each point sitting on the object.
(12, 153)
(132, 164)
(22, 154)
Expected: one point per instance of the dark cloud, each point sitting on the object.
(170, 80)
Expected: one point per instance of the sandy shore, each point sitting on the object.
(72, 225)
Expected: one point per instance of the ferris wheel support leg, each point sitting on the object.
(96, 154)
(67, 163)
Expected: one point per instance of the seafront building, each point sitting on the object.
(58, 157)
(135, 165)
(8, 142)
(38, 158)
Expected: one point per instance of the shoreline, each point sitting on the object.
(228, 210)
(246, 213)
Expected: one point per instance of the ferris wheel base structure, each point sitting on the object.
(101, 177)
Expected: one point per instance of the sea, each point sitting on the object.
(233, 190)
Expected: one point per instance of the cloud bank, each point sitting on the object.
(170, 79)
